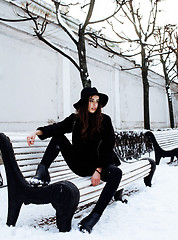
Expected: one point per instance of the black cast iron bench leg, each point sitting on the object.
(148, 179)
(63, 195)
(159, 152)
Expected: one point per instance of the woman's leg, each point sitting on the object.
(112, 176)
(57, 144)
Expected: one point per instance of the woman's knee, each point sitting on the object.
(115, 170)
(114, 176)
(59, 140)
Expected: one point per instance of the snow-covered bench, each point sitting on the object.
(28, 158)
(165, 144)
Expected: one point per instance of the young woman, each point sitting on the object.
(90, 153)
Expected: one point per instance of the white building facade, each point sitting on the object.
(39, 86)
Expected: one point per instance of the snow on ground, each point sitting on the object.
(151, 213)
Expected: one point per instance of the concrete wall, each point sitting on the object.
(175, 102)
(38, 85)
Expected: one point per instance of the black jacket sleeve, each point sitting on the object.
(105, 148)
(62, 127)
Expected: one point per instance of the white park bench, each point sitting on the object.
(28, 158)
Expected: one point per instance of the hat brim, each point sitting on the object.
(103, 98)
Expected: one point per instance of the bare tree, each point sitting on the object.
(174, 49)
(177, 53)
(144, 30)
(77, 36)
(79, 41)
(140, 44)
(166, 37)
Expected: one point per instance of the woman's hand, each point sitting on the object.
(31, 139)
(95, 179)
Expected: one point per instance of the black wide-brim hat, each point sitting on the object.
(87, 92)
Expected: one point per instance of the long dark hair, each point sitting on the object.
(91, 122)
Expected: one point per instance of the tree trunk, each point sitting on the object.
(171, 113)
(169, 97)
(177, 55)
(82, 60)
(144, 69)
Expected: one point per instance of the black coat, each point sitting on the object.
(89, 154)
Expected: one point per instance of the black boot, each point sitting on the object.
(118, 196)
(42, 176)
(87, 224)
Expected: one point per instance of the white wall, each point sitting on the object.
(28, 80)
(131, 100)
(175, 103)
(159, 115)
(38, 85)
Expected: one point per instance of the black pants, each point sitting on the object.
(110, 174)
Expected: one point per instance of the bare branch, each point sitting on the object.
(102, 37)
(112, 15)
(155, 11)
(44, 25)
(62, 24)
(133, 21)
(18, 20)
(108, 48)
(28, 12)
(128, 69)
(39, 35)
(90, 11)
(126, 39)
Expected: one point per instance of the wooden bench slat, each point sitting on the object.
(134, 172)
(29, 156)
(133, 179)
(62, 170)
(24, 144)
(68, 177)
(84, 202)
(29, 162)
(25, 162)
(127, 167)
(168, 140)
(39, 149)
(168, 148)
(170, 143)
(164, 138)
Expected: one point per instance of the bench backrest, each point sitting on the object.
(167, 140)
(28, 159)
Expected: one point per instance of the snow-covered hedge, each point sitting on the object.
(131, 145)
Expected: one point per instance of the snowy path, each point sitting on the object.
(151, 213)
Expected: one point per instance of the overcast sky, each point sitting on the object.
(104, 7)
(170, 11)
